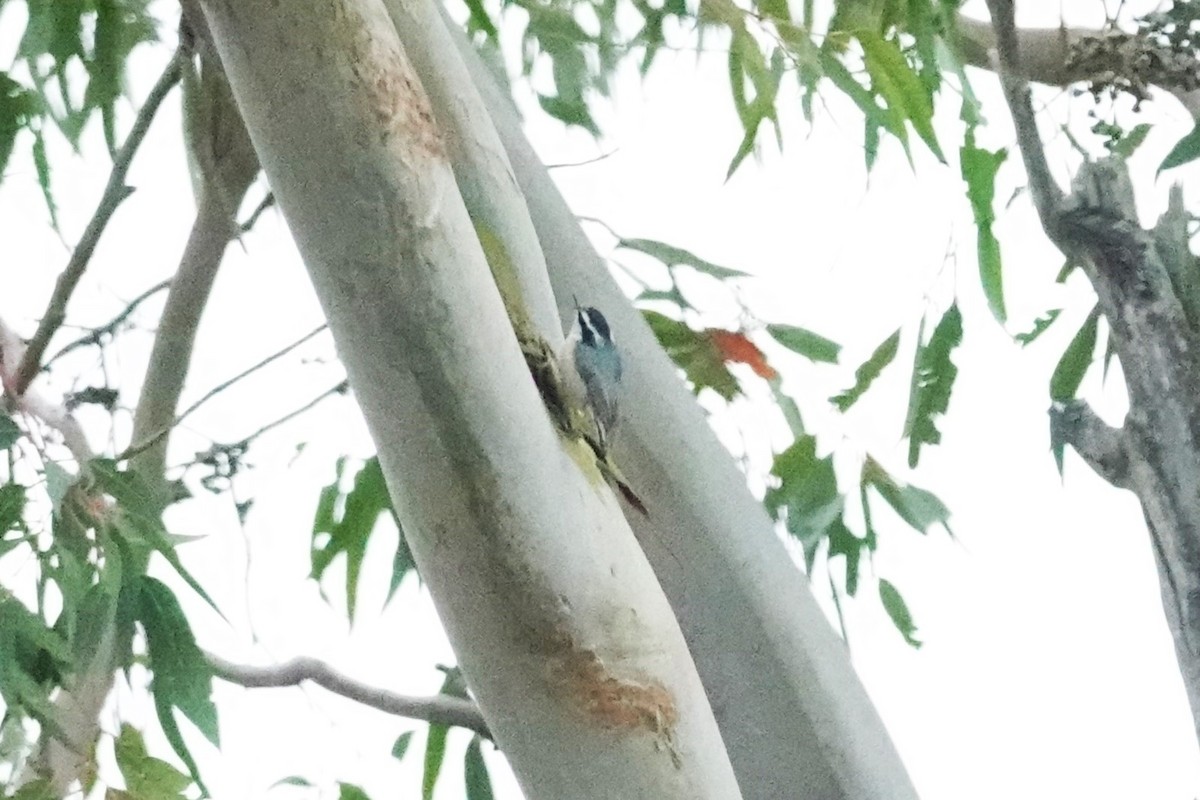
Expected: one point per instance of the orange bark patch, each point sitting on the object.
(397, 100)
(616, 702)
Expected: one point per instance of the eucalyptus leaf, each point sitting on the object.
(867, 372)
(811, 345)
(475, 772)
(1076, 359)
(933, 380)
(898, 611)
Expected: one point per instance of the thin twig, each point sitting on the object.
(602, 224)
(95, 335)
(267, 202)
(1046, 193)
(585, 162)
(133, 450)
(220, 387)
(114, 192)
(439, 709)
(340, 388)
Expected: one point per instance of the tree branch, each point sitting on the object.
(95, 335)
(230, 167)
(56, 415)
(439, 709)
(1103, 447)
(1044, 55)
(267, 202)
(1046, 193)
(234, 166)
(114, 192)
(140, 447)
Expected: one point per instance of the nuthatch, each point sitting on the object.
(591, 369)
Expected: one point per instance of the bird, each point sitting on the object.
(591, 368)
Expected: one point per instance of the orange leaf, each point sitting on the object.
(736, 347)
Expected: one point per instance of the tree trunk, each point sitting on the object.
(562, 630)
(1157, 452)
(791, 708)
(1147, 288)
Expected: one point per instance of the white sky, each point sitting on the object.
(1047, 670)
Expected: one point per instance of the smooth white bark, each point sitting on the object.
(485, 178)
(574, 654)
(794, 715)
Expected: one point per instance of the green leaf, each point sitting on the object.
(1040, 326)
(401, 745)
(39, 789)
(1076, 359)
(921, 509)
(348, 791)
(96, 611)
(807, 497)
(479, 783)
(694, 353)
(922, 23)
(42, 166)
(569, 112)
(17, 106)
(58, 482)
(121, 25)
(139, 522)
(9, 432)
(291, 780)
(435, 754)
(673, 256)
(33, 659)
(933, 380)
(808, 344)
(146, 777)
(480, 20)
(349, 534)
(182, 677)
(12, 507)
(900, 87)
(897, 609)
(745, 148)
(867, 372)
(846, 82)
(1128, 144)
(54, 28)
(979, 168)
(788, 407)
(402, 564)
(844, 543)
(1185, 151)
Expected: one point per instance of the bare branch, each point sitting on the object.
(252, 220)
(340, 388)
(1047, 194)
(1044, 55)
(56, 415)
(1102, 446)
(278, 354)
(140, 447)
(96, 335)
(236, 166)
(231, 166)
(439, 709)
(114, 192)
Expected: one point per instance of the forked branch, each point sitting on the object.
(439, 709)
(115, 191)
